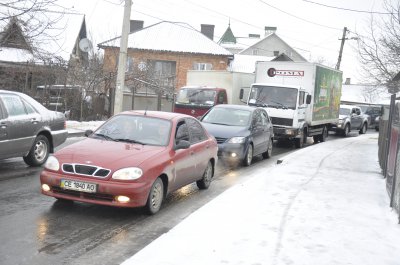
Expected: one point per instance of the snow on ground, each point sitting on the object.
(325, 204)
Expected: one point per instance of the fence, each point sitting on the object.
(389, 152)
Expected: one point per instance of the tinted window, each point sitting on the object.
(257, 120)
(182, 132)
(197, 133)
(13, 105)
(264, 118)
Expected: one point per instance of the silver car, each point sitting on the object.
(28, 129)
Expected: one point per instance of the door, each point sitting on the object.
(356, 118)
(21, 124)
(200, 147)
(183, 159)
(257, 132)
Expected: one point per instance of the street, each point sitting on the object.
(37, 229)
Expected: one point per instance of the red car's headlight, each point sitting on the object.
(52, 164)
(129, 173)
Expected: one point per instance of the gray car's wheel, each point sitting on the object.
(156, 197)
(39, 151)
(363, 128)
(249, 156)
(268, 153)
(205, 181)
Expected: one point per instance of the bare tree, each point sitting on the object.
(380, 51)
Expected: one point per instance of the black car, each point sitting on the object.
(28, 129)
(241, 131)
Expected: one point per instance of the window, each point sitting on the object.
(276, 53)
(163, 68)
(182, 132)
(202, 66)
(197, 133)
(29, 108)
(129, 64)
(255, 52)
(221, 97)
(14, 105)
(265, 118)
(301, 97)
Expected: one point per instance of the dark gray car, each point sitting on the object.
(241, 132)
(28, 129)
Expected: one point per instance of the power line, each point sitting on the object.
(351, 10)
(308, 21)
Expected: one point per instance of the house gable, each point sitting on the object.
(272, 45)
(13, 37)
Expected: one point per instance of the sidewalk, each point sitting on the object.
(325, 204)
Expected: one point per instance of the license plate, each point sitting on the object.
(78, 185)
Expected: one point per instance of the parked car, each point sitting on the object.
(28, 129)
(133, 160)
(351, 118)
(241, 131)
(374, 111)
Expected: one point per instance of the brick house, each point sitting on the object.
(159, 57)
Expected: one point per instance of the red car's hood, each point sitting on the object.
(108, 154)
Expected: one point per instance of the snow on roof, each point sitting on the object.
(365, 93)
(172, 37)
(246, 63)
(15, 55)
(57, 40)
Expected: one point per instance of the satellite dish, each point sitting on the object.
(85, 45)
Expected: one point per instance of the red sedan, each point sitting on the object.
(134, 159)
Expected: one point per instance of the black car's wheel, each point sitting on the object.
(363, 128)
(156, 197)
(249, 156)
(268, 153)
(205, 181)
(39, 151)
(346, 130)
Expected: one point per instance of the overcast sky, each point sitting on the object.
(310, 26)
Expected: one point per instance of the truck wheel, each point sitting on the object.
(324, 135)
(299, 142)
(249, 156)
(39, 151)
(363, 128)
(346, 130)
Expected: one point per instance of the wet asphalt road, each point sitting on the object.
(36, 229)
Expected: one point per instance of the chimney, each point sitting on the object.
(135, 25)
(347, 82)
(269, 30)
(254, 36)
(208, 31)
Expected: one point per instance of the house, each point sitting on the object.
(28, 60)
(158, 59)
(271, 45)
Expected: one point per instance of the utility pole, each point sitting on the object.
(123, 52)
(341, 48)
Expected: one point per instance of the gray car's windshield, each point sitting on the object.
(228, 116)
(344, 111)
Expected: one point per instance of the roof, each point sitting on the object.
(246, 63)
(169, 36)
(228, 36)
(365, 93)
(57, 39)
